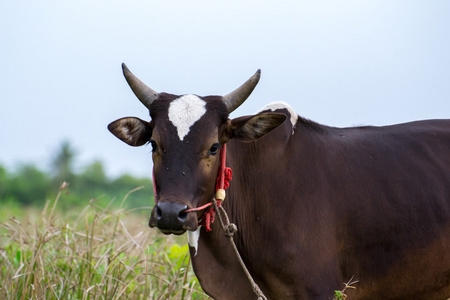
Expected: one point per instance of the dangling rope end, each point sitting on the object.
(208, 221)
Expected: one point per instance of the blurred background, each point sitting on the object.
(339, 63)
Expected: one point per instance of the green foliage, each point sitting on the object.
(28, 185)
(339, 295)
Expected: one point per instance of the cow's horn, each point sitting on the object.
(234, 99)
(145, 94)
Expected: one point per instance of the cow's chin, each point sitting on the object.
(171, 231)
(167, 231)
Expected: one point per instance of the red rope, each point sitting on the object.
(223, 182)
(199, 208)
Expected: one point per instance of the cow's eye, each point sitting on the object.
(214, 148)
(154, 145)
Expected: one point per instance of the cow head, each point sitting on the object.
(186, 133)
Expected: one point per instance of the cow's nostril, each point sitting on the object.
(158, 212)
(182, 216)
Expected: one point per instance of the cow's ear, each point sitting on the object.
(133, 131)
(250, 128)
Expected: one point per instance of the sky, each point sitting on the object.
(339, 63)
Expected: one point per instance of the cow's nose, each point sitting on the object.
(171, 217)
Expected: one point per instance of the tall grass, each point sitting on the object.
(97, 253)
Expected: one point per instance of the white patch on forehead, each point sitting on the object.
(185, 111)
(193, 237)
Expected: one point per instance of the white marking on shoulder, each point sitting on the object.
(185, 111)
(193, 237)
(282, 105)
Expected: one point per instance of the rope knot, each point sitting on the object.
(227, 176)
(230, 230)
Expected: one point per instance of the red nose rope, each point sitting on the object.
(222, 183)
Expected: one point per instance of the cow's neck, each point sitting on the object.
(250, 207)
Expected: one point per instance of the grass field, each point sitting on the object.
(92, 253)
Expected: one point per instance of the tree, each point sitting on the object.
(93, 182)
(62, 163)
(3, 182)
(28, 185)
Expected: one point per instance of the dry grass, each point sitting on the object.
(99, 253)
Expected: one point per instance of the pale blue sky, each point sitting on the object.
(340, 63)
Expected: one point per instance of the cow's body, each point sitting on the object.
(315, 205)
(370, 203)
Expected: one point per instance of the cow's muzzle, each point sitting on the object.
(172, 218)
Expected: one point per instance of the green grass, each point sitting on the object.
(95, 253)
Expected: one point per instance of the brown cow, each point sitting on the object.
(315, 205)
